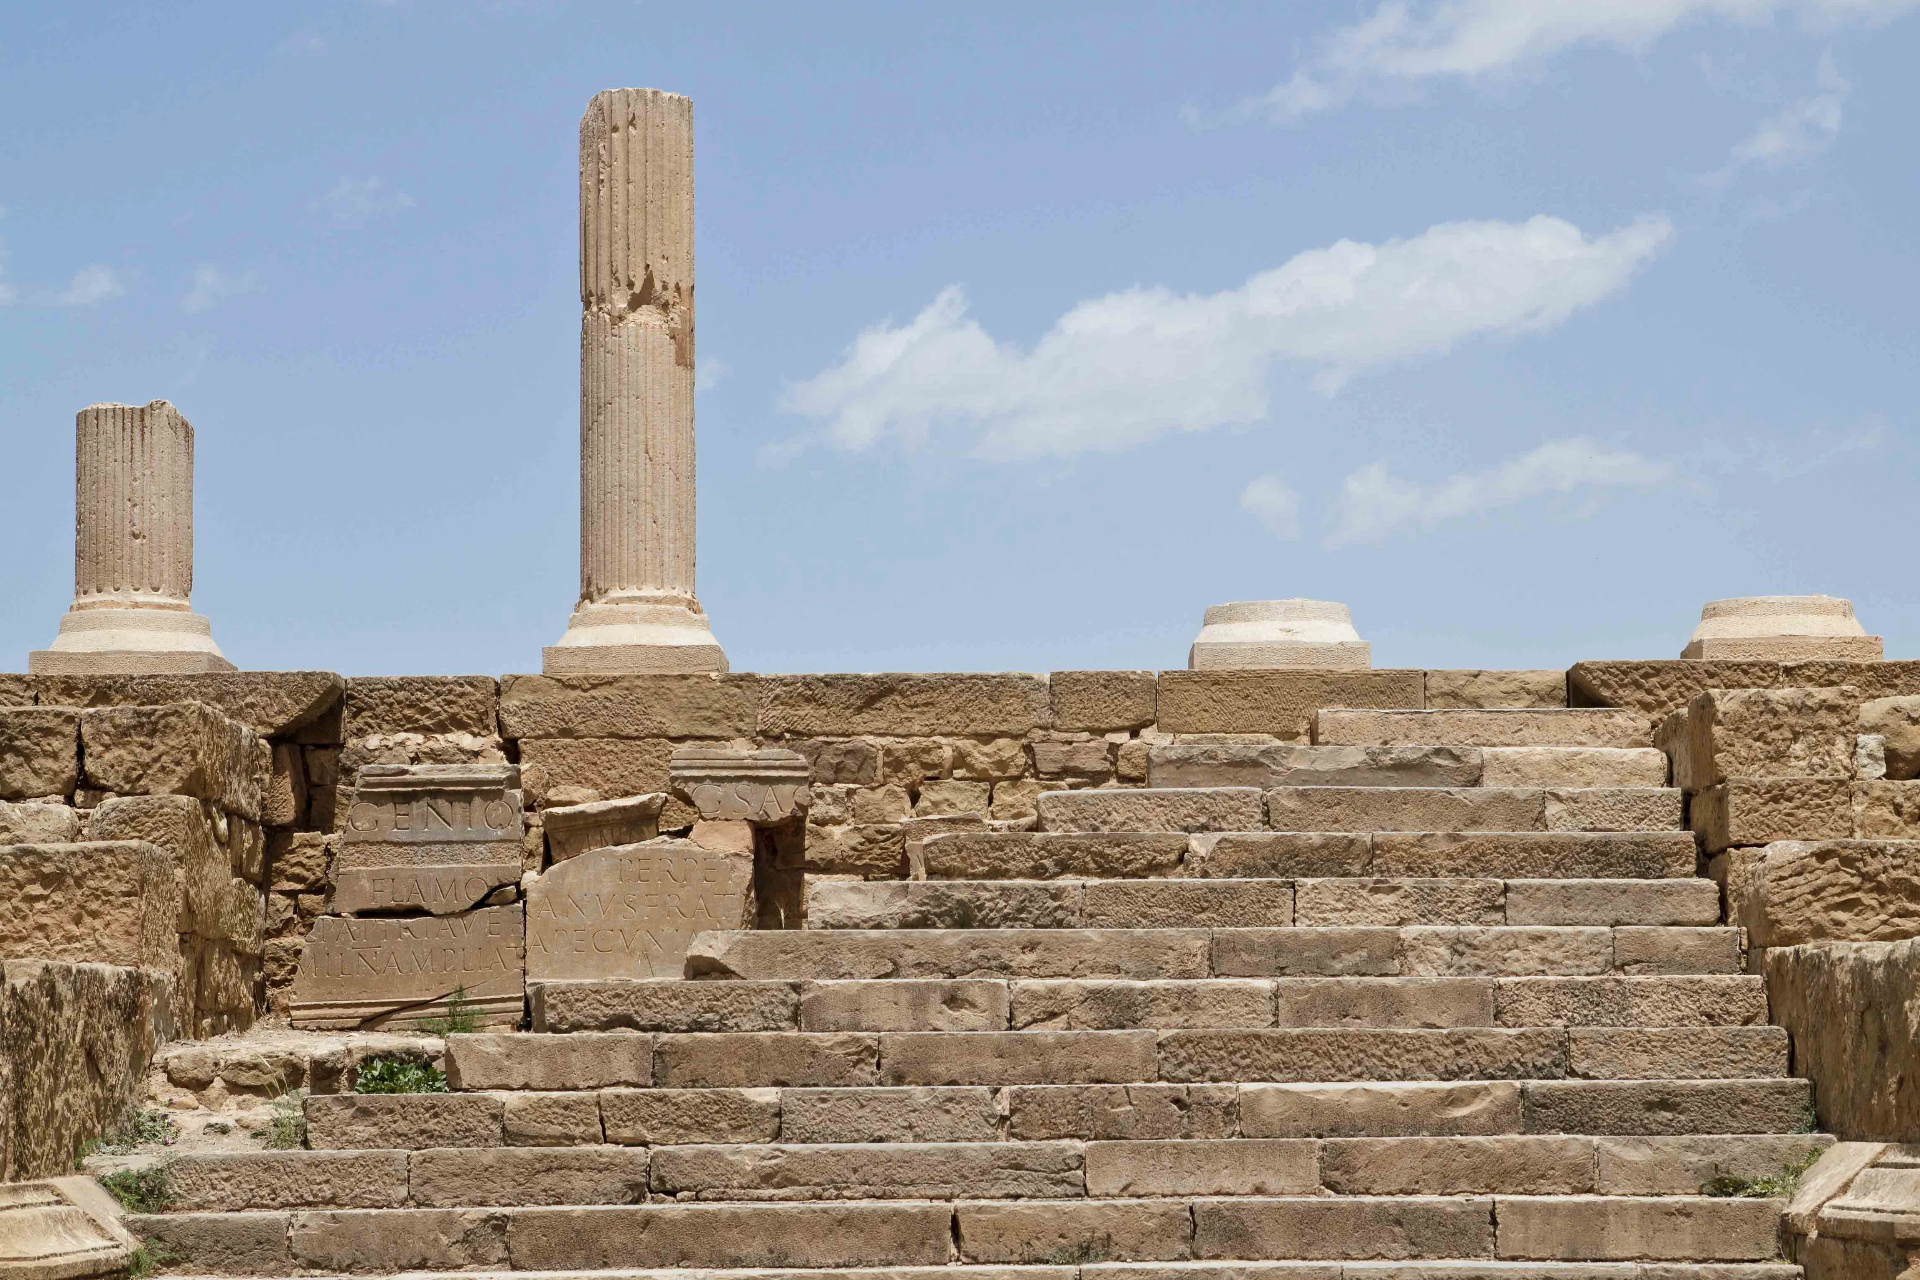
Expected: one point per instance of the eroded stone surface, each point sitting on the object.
(398, 971)
(631, 911)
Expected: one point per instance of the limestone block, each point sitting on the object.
(664, 1117)
(961, 704)
(1873, 679)
(1781, 629)
(456, 1178)
(298, 860)
(1676, 1053)
(1649, 902)
(402, 1121)
(842, 904)
(1130, 760)
(1122, 1112)
(1601, 1227)
(39, 752)
(572, 830)
(1574, 767)
(1749, 811)
(665, 1004)
(237, 1244)
(1764, 733)
(1856, 1032)
(1799, 891)
(733, 1235)
(16, 690)
(513, 1060)
(1897, 721)
(1290, 953)
(876, 851)
(1233, 760)
(758, 1060)
(1239, 1166)
(1542, 855)
(631, 911)
(1164, 810)
(1017, 1057)
(1019, 801)
(1384, 1109)
(1100, 701)
(1870, 756)
(877, 806)
(1404, 809)
(949, 953)
(435, 838)
(422, 704)
(1376, 901)
(1365, 1002)
(907, 762)
(1088, 759)
(941, 1171)
(1658, 688)
(1341, 1053)
(1280, 703)
(62, 1229)
(1048, 855)
(1040, 1230)
(952, 796)
(1666, 1106)
(905, 1005)
(1830, 1175)
(1624, 809)
(964, 1114)
(38, 823)
(106, 902)
(1387, 1227)
(991, 760)
(1448, 949)
(1112, 1005)
(724, 784)
(569, 771)
(1718, 1000)
(398, 971)
(1283, 854)
(229, 1182)
(854, 762)
(1886, 810)
(196, 837)
(185, 748)
(1465, 689)
(1502, 727)
(271, 703)
(1173, 904)
(1453, 1166)
(283, 803)
(1278, 633)
(398, 1239)
(1680, 1166)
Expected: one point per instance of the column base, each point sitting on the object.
(657, 636)
(130, 642)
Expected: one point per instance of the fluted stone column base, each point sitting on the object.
(150, 641)
(635, 635)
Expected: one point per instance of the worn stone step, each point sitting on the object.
(950, 953)
(1166, 903)
(1400, 809)
(1251, 760)
(1166, 809)
(1234, 1269)
(1652, 855)
(1497, 950)
(1503, 727)
(1049, 855)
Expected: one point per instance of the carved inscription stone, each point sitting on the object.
(631, 911)
(767, 786)
(574, 829)
(398, 971)
(436, 838)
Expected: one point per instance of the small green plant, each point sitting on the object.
(1779, 1186)
(389, 1073)
(287, 1130)
(1809, 1120)
(142, 1190)
(150, 1257)
(141, 1128)
(460, 1020)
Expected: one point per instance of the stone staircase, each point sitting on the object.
(1440, 995)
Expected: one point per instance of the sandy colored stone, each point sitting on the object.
(1451, 690)
(1282, 854)
(568, 771)
(238, 1244)
(1896, 721)
(1349, 901)
(399, 970)
(761, 1059)
(1849, 1007)
(1173, 904)
(1238, 760)
(1017, 1057)
(1044, 1231)
(38, 823)
(1658, 687)
(515, 1060)
(550, 1119)
(288, 1180)
(1676, 1053)
(1453, 1166)
(1569, 854)
(951, 795)
(1345, 1227)
(1166, 809)
(184, 748)
(572, 830)
(1764, 733)
(385, 1240)
(298, 860)
(1684, 1165)
(271, 703)
(1122, 1112)
(39, 752)
(1199, 1167)
(913, 1004)
(1018, 800)
(1281, 703)
(421, 704)
(1635, 1227)
(631, 911)
(1643, 949)
(1379, 1109)
(1369, 1002)
(967, 705)
(724, 1235)
(1481, 728)
(1504, 950)
(62, 1229)
(656, 1117)
(1667, 1106)
(1330, 1054)
(892, 1171)
(1608, 902)
(1797, 891)
(630, 706)
(1404, 809)
(950, 953)
(107, 902)
(1077, 1005)
(1749, 811)
(876, 851)
(935, 904)
(215, 904)
(1088, 761)
(1101, 701)
(1886, 810)
(1047, 855)
(402, 1121)
(462, 1177)
(965, 1114)
(1574, 767)
(1704, 1000)
(664, 1004)
(1325, 952)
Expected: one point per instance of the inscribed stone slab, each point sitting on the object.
(397, 971)
(630, 911)
(437, 838)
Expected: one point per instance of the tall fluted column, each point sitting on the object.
(637, 609)
(132, 550)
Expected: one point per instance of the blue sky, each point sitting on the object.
(1026, 331)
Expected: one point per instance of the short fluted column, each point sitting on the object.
(637, 611)
(133, 550)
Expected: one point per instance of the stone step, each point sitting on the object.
(1046, 855)
(1444, 1269)
(500, 1177)
(1086, 1112)
(1144, 954)
(1166, 903)
(1192, 810)
(764, 1059)
(1576, 727)
(1229, 760)
(897, 1234)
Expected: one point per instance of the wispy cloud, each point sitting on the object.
(1118, 371)
(306, 40)
(212, 286)
(1269, 500)
(96, 283)
(1797, 132)
(1407, 42)
(353, 201)
(708, 372)
(1375, 505)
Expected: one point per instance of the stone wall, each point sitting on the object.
(1853, 1009)
(75, 1043)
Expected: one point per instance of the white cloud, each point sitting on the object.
(1374, 505)
(708, 372)
(89, 285)
(212, 286)
(1118, 371)
(354, 200)
(1268, 500)
(1797, 132)
(1403, 42)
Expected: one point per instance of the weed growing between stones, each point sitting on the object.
(287, 1130)
(145, 1126)
(1779, 1186)
(150, 1257)
(139, 1190)
(387, 1073)
(460, 1019)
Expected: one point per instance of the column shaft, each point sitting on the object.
(133, 506)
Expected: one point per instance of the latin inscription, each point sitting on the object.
(630, 911)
